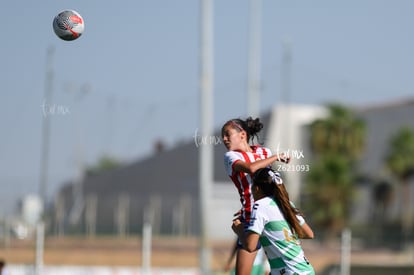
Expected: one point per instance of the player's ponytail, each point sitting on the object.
(254, 127)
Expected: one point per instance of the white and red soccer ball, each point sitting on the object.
(68, 25)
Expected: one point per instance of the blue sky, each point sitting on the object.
(132, 77)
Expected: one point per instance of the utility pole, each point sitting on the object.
(79, 203)
(253, 81)
(346, 239)
(44, 163)
(286, 71)
(206, 118)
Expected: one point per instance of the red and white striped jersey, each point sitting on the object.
(243, 181)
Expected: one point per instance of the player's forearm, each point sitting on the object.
(307, 232)
(252, 167)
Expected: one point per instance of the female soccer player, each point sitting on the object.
(277, 224)
(241, 160)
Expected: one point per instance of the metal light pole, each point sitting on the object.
(346, 252)
(44, 163)
(253, 81)
(286, 71)
(206, 118)
(79, 203)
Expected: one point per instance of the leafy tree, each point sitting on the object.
(105, 163)
(337, 142)
(400, 162)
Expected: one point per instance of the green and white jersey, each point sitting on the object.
(282, 248)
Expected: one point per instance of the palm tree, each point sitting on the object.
(400, 162)
(337, 141)
(341, 133)
(330, 189)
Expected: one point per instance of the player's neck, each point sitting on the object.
(248, 148)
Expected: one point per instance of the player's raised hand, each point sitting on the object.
(283, 158)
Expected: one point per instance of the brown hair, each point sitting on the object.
(271, 184)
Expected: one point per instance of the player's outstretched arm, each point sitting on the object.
(251, 167)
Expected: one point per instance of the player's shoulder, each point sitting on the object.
(264, 208)
(232, 154)
(231, 157)
(259, 147)
(264, 202)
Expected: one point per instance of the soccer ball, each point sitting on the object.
(68, 25)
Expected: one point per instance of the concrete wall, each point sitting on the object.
(285, 135)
